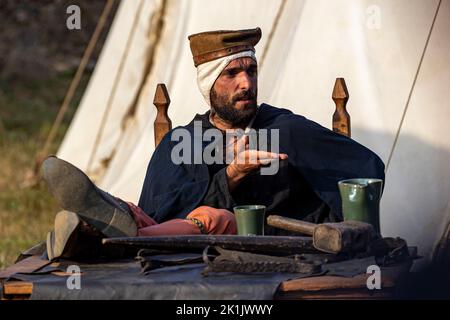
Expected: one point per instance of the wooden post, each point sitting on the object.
(162, 123)
(341, 118)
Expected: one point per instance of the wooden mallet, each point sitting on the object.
(347, 236)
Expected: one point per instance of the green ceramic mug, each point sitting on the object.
(250, 219)
(361, 200)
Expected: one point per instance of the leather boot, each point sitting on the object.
(73, 238)
(75, 192)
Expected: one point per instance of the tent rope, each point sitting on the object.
(412, 88)
(73, 85)
(155, 38)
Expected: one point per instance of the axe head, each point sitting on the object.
(347, 236)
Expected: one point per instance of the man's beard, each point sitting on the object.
(224, 107)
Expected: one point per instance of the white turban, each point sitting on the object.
(208, 72)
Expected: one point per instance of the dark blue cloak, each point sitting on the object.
(320, 155)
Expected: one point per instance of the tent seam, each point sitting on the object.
(115, 84)
(272, 32)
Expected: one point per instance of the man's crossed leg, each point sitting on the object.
(91, 214)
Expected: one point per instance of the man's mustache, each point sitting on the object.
(245, 95)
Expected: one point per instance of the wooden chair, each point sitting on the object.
(341, 118)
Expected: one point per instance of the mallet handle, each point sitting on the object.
(291, 224)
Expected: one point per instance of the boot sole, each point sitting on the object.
(65, 179)
(62, 241)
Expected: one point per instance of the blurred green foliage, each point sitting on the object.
(27, 111)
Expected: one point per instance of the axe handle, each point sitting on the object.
(291, 224)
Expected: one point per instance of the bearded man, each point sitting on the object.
(198, 197)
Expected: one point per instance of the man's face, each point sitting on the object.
(233, 96)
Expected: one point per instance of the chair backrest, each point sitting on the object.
(162, 123)
(341, 118)
(340, 96)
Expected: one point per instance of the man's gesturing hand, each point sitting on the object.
(246, 161)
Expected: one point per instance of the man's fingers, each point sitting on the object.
(270, 155)
(247, 142)
(235, 147)
(242, 142)
(266, 161)
(260, 157)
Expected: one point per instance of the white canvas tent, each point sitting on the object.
(392, 54)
